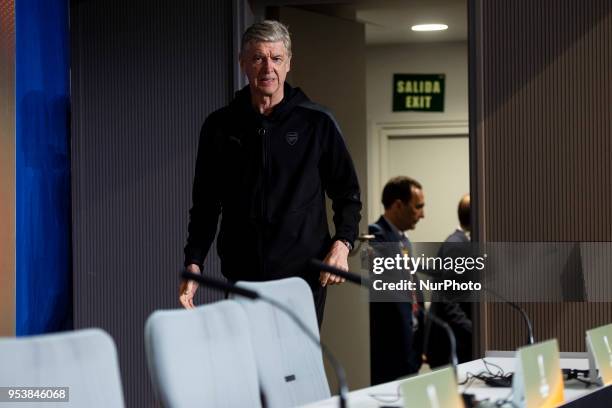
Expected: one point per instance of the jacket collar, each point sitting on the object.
(292, 97)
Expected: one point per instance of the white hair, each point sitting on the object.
(267, 31)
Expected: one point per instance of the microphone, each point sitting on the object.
(530, 337)
(358, 279)
(253, 295)
(451, 337)
(366, 282)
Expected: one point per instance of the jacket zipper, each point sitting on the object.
(264, 170)
(264, 179)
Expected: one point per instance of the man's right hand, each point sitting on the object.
(188, 289)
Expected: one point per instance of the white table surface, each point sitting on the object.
(387, 394)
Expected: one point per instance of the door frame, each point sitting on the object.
(381, 132)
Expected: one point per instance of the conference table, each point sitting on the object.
(387, 395)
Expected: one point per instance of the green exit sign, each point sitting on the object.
(418, 92)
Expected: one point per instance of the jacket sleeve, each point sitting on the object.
(206, 207)
(340, 182)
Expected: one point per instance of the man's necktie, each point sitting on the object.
(406, 247)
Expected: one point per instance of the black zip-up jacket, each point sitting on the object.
(267, 176)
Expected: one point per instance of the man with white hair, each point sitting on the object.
(265, 163)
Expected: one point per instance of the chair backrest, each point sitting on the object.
(202, 357)
(85, 361)
(289, 365)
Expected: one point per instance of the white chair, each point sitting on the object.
(85, 361)
(289, 365)
(202, 357)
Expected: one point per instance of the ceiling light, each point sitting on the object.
(429, 27)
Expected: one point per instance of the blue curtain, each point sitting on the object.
(43, 259)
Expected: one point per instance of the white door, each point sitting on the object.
(441, 164)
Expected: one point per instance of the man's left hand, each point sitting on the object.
(337, 257)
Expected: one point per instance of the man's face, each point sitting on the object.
(266, 65)
(410, 213)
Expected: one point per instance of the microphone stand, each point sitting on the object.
(253, 295)
(366, 282)
(515, 306)
(451, 337)
(530, 337)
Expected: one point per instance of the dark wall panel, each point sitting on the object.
(145, 74)
(542, 91)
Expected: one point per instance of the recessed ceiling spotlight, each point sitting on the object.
(429, 27)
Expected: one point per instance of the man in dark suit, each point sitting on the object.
(456, 314)
(395, 328)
